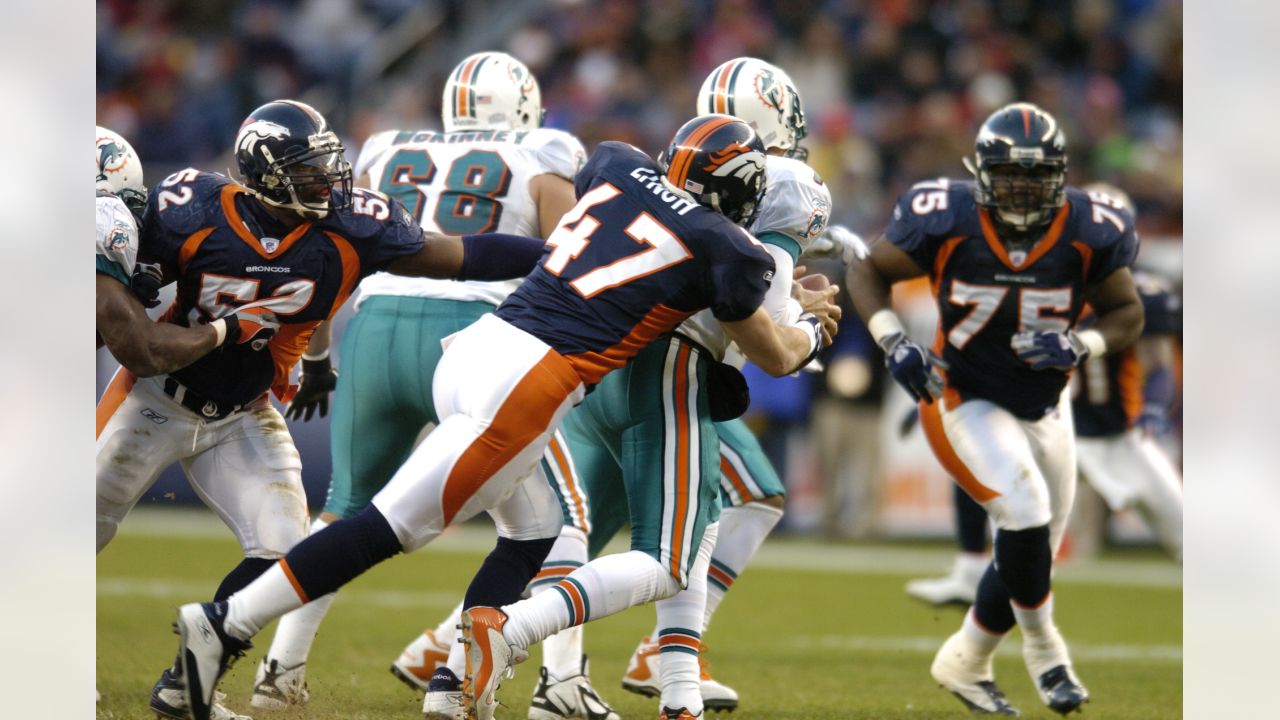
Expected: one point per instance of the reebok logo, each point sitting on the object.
(153, 416)
(206, 632)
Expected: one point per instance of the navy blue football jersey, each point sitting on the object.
(987, 294)
(1109, 395)
(631, 261)
(224, 250)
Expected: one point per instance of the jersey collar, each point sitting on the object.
(1037, 251)
(229, 193)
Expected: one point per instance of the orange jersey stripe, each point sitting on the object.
(286, 346)
(117, 390)
(683, 457)
(350, 271)
(593, 366)
(190, 246)
(727, 470)
(1041, 247)
(931, 423)
(522, 417)
(229, 192)
(1086, 257)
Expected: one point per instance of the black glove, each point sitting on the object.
(319, 378)
(146, 282)
(250, 326)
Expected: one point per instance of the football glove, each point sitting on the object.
(319, 378)
(1049, 350)
(146, 282)
(250, 326)
(839, 243)
(913, 368)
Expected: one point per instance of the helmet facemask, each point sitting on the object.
(1022, 195)
(305, 182)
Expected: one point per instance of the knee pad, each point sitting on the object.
(506, 571)
(1025, 561)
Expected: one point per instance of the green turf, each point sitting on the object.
(795, 644)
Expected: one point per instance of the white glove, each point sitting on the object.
(840, 243)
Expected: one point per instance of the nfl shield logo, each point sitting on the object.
(270, 244)
(1017, 257)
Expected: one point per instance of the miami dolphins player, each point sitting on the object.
(142, 347)
(494, 168)
(1013, 256)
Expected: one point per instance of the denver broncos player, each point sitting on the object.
(143, 347)
(280, 252)
(637, 255)
(493, 168)
(1012, 256)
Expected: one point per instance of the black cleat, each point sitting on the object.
(1061, 691)
(994, 701)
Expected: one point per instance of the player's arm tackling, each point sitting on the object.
(143, 347)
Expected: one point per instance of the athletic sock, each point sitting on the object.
(678, 635)
(297, 629)
(314, 568)
(981, 640)
(562, 652)
(742, 531)
(602, 587)
(241, 575)
(1043, 646)
(991, 608)
(506, 571)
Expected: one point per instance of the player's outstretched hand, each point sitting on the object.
(1046, 349)
(146, 282)
(319, 378)
(912, 368)
(839, 243)
(253, 326)
(816, 295)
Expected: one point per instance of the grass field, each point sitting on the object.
(811, 631)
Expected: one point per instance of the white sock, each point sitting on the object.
(447, 631)
(679, 638)
(268, 597)
(297, 629)
(1043, 645)
(602, 587)
(562, 652)
(742, 531)
(983, 641)
(457, 653)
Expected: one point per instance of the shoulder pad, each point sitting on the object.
(117, 232)
(372, 148)
(1101, 224)
(608, 154)
(557, 151)
(796, 202)
(934, 206)
(370, 213)
(187, 201)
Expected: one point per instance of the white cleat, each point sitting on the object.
(420, 659)
(570, 699)
(205, 651)
(443, 698)
(167, 701)
(277, 687)
(644, 677)
(970, 678)
(959, 587)
(490, 660)
(715, 694)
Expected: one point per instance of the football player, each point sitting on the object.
(1013, 256)
(278, 254)
(493, 168)
(143, 347)
(1122, 404)
(646, 247)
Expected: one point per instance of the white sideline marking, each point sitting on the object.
(193, 590)
(930, 645)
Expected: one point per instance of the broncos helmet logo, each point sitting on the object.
(256, 131)
(736, 160)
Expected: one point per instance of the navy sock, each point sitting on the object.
(971, 523)
(338, 554)
(991, 607)
(241, 575)
(506, 571)
(1025, 563)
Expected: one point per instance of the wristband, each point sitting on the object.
(219, 331)
(884, 324)
(319, 365)
(809, 323)
(1093, 341)
(322, 355)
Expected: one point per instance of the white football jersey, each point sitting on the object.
(117, 238)
(796, 205)
(463, 183)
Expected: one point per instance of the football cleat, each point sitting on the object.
(419, 660)
(970, 678)
(205, 651)
(167, 701)
(681, 714)
(443, 699)
(572, 697)
(644, 677)
(959, 587)
(277, 687)
(490, 660)
(1061, 691)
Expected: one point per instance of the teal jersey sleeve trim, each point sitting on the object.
(773, 237)
(112, 268)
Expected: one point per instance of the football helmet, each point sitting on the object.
(119, 170)
(289, 158)
(492, 91)
(719, 160)
(764, 96)
(1020, 162)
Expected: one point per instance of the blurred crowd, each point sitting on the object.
(893, 91)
